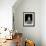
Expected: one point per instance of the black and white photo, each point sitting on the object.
(28, 19)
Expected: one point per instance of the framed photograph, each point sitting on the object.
(28, 19)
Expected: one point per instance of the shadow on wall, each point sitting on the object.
(28, 6)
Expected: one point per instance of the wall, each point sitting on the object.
(6, 13)
(33, 33)
(43, 22)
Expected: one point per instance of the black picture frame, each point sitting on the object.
(28, 19)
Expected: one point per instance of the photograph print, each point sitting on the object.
(29, 19)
